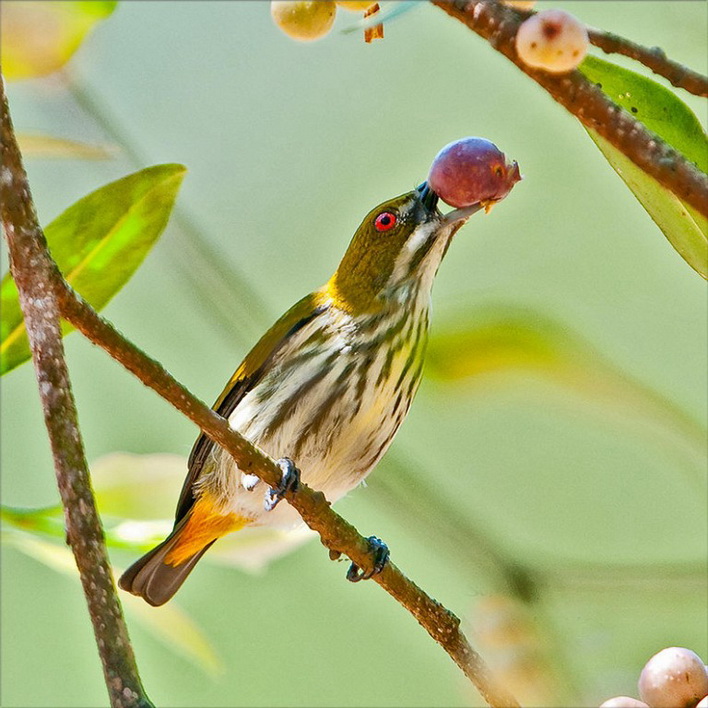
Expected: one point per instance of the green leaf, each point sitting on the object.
(490, 345)
(40, 37)
(98, 243)
(169, 624)
(672, 120)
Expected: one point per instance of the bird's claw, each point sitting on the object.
(379, 558)
(289, 482)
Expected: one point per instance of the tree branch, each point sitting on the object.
(35, 273)
(498, 25)
(653, 58)
(335, 532)
(34, 270)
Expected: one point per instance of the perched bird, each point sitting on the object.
(326, 388)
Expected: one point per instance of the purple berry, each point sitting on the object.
(470, 171)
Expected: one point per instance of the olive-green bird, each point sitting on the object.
(326, 388)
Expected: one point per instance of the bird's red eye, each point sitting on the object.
(385, 221)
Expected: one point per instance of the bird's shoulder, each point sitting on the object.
(247, 375)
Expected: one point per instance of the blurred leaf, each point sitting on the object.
(40, 37)
(138, 487)
(176, 630)
(502, 339)
(670, 118)
(48, 521)
(169, 623)
(136, 495)
(36, 145)
(98, 243)
(253, 548)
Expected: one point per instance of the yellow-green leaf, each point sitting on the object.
(40, 37)
(502, 340)
(47, 146)
(672, 120)
(98, 243)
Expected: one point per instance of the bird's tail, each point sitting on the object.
(158, 575)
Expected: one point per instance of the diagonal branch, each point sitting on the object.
(653, 58)
(35, 274)
(336, 533)
(498, 25)
(44, 294)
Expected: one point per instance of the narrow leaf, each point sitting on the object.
(672, 120)
(38, 145)
(502, 340)
(98, 243)
(169, 624)
(685, 228)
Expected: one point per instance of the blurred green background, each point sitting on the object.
(571, 492)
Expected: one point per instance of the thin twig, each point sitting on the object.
(498, 25)
(335, 532)
(653, 58)
(35, 273)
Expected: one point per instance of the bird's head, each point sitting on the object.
(398, 246)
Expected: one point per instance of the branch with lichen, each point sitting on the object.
(44, 295)
(35, 275)
(654, 58)
(499, 24)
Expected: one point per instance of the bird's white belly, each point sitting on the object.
(333, 439)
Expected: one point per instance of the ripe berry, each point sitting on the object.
(356, 5)
(303, 20)
(623, 702)
(552, 40)
(673, 677)
(470, 171)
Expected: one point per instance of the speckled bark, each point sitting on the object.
(653, 58)
(34, 269)
(498, 25)
(34, 273)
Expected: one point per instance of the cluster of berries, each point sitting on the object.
(552, 40)
(307, 20)
(675, 677)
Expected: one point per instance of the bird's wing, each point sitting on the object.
(245, 378)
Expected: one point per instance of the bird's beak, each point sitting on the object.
(461, 215)
(457, 217)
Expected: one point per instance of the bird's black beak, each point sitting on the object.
(428, 197)
(430, 201)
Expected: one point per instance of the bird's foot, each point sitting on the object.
(379, 558)
(249, 481)
(289, 482)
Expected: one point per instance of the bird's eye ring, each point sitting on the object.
(385, 221)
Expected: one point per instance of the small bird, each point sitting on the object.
(324, 390)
